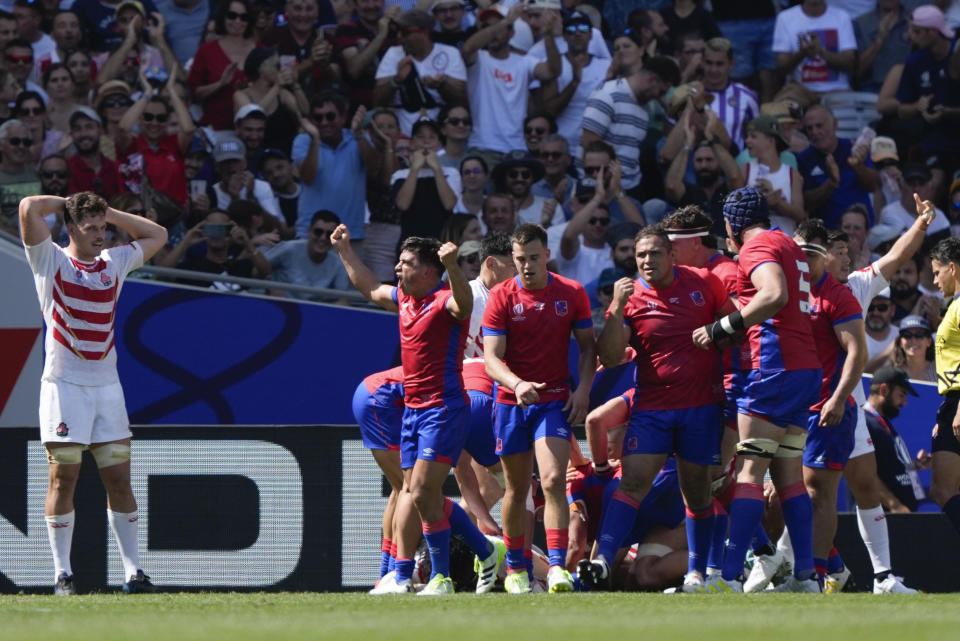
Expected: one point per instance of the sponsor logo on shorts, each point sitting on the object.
(62, 429)
(562, 432)
(560, 306)
(427, 451)
(499, 444)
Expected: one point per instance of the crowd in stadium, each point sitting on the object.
(339, 144)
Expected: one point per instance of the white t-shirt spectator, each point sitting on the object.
(534, 213)
(597, 47)
(835, 30)
(899, 218)
(498, 91)
(443, 60)
(586, 265)
(570, 121)
(262, 192)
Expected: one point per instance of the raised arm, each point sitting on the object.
(360, 275)
(149, 235)
(460, 305)
(484, 35)
(33, 228)
(613, 339)
(909, 243)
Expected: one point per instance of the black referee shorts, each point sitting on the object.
(945, 441)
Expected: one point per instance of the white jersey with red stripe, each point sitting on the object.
(79, 303)
(481, 294)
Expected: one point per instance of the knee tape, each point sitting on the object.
(792, 446)
(111, 454)
(66, 455)
(762, 447)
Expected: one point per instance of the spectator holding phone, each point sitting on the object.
(228, 250)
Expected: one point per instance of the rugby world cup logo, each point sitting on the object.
(517, 312)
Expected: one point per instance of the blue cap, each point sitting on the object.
(745, 207)
(915, 322)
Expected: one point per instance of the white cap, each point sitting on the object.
(247, 109)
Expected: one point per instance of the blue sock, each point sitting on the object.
(746, 510)
(384, 562)
(528, 563)
(463, 528)
(515, 560)
(718, 541)
(618, 518)
(798, 516)
(438, 542)
(952, 509)
(820, 565)
(760, 538)
(404, 569)
(834, 562)
(392, 564)
(699, 537)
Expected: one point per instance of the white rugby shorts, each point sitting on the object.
(82, 414)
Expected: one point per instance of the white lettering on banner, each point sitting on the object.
(25, 556)
(275, 553)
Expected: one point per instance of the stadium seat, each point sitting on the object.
(854, 110)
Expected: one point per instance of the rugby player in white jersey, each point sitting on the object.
(81, 401)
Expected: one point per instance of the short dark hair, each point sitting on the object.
(55, 67)
(497, 194)
(552, 122)
(812, 230)
(837, 236)
(479, 159)
(243, 211)
(691, 217)
(496, 244)
(160, 100)
(326, 216)
(527, 233)
(946, 251)
(664, 68)
(653, 230)
(55, 156)
(34, 6)
(425, 250)
(338, 100)
(600, 147)
(83, 205)
(17, 43)
(857, 208)
(220, 18)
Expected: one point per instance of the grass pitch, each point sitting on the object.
(493, 617)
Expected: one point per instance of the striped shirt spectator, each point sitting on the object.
(736, 105)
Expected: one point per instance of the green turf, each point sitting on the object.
(494, 617)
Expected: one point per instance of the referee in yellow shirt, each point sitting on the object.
(945, 485)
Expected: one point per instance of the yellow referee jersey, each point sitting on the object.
(948, 350)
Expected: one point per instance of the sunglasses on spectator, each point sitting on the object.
(456, 122)
(473, 259)
(909, 335)
(150, 117)
(53, 173)
(16, 141)
(523, 174)
(883, 164)
(878, 307)
(607, 290)
(233, 15)
(117, 101)
(20, 60)
(577, 28)
(551, 155)
(603, 222)
(329, 116)
(591, 170)
(321, 233)
(534, 130)
(32, 111)
(476, 171)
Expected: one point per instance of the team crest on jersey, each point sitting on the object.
(560, 306)
(105, 279)
(697, 298)
(78, 276)
(62, 430)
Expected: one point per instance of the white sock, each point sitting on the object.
(60, 533)
(873, 531)
(124, 526)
